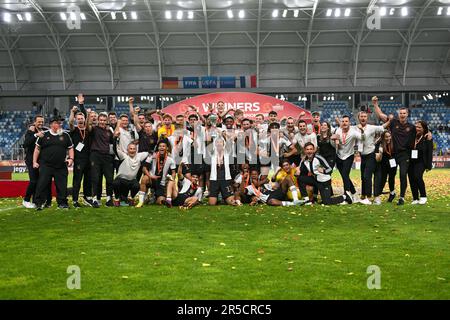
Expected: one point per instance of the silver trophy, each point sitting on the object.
(213, 120)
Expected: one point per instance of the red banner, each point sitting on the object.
(251, 103)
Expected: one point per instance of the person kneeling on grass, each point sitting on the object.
(155, 172)
(266, 193)
(125, 181)
(190, 193)
(320, 177)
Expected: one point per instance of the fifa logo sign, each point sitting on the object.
(373, 21)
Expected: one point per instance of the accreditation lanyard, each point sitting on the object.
(344, 136)
(82, 134)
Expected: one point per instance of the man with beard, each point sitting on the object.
(368, 162)
(101, 159)
(125, 181)
(344, 140)
(320, 177)
(403, 137)
(82, 166)
(34, 132)
(112, 120)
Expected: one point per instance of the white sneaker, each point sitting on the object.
(415, 202)
(355, 198)
(28, 205)
(377, 201)
(343, 203)
(206, 194)
(365, 201)
(423, 200)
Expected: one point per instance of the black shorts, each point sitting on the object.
(225, 187)
(245, 198)
(206, 167)
(160, 191)
(277, 195)
(197, 169)
(186, 169)
(294, 159)
(180, 199)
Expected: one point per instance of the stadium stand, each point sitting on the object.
(331, 109)
(13, 125)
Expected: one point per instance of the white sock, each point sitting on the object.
(108, 198)
(392, 192)
(287, 203)
(306, 198)
(294, 193)
(141, 196)
(169, 198)
(89, 198)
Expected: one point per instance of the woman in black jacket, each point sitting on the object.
(386, 167)
(324, 146)
(421, 160)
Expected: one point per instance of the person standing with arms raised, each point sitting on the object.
(403, 135)
(101, 158)
(368, 161)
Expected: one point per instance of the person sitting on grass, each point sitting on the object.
(155, 172)
(241, 181)
(268, 193)
(190, 193)
(287, 171)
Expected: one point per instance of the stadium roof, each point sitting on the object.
(306, 43)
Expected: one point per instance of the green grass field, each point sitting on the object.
(318, 252)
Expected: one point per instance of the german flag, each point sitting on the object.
(170, 82)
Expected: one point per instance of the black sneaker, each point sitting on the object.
(401, 202)
(95, 204)
(76, 204)
(63, 206)
(391, 197)
(48, 205)
(109, 203)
